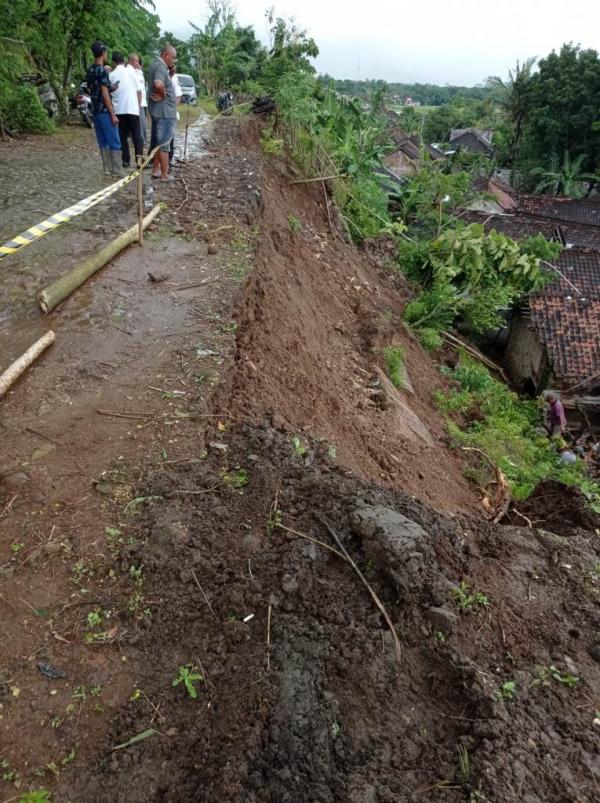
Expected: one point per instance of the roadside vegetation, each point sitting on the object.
(507, 429)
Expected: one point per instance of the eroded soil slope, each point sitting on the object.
(229, 567)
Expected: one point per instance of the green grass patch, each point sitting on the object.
(188, 114)
(505, 429)
(394, 365)
(207, 105)
(399, 108)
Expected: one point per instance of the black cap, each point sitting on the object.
(98, 48)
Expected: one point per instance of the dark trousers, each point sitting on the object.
(129, 126)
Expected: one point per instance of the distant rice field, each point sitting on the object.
(399, 108)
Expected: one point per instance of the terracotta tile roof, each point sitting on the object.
(567, 322)
(570, 331)
(585, 210)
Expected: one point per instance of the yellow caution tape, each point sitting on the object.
(54, 221)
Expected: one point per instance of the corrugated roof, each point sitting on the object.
(583, 210)
(519, 226)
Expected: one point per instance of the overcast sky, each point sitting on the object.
(434, 41)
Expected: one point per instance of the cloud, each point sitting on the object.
(435, 41)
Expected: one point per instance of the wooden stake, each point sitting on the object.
(269, 639)
(140, 200)
(19, 366)
(187, 126)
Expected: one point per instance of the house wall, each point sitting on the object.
(525, 357)
(400, 164)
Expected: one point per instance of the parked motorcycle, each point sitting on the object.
(225, 102)
(83, 103)
(46, 94)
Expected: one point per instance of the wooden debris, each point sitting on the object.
(20, 365)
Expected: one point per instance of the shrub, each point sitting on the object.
(22, 111)
(506, 432)
(430, 339)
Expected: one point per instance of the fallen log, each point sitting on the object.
(19, 366)
(51, 296)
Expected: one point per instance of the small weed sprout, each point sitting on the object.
(508, 690)
(137, 575)
(295, 224)
(299, 448)
(16, 548)
(79, 693)
(335, 729)
(439, 636)
(466, 600)
(188, 675)
(547, 673)
(565, 678)
(274, 521)
(134, 602)
(39, 796)
(94, 618)
(237, 479)
(394, 365)
(81, 570)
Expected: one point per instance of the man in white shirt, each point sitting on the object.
(178, 94)
(135, 63)
(126, 101)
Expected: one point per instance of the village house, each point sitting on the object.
(472, 140)
(408, 155)
(554, 335)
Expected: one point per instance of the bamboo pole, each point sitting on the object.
(51, 296)
(140, 202)
(187, 126)
(19, 366)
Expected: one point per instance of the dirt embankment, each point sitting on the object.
(303, 695)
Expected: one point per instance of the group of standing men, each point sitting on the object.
(120, 104)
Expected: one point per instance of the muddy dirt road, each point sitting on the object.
(138, 350)
(180, 477)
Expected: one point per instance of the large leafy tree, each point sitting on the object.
(227, 55)
(57, 34)
(512, 95)
(561, 111)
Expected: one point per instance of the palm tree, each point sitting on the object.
(512, 96)
(565, 179)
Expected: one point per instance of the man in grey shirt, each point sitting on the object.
(163, 109)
